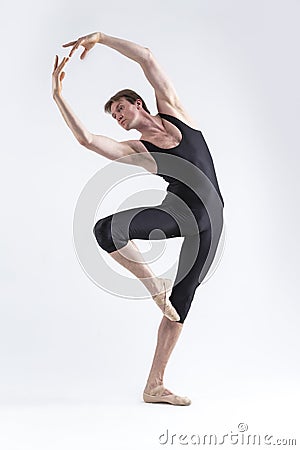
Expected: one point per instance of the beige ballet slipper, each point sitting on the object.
(157, 396)
(164, 303)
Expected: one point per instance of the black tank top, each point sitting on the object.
(192, 148)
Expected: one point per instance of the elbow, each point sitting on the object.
(85, 140)
(86, 144)
(147, 55)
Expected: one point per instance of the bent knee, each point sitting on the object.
(103, 235)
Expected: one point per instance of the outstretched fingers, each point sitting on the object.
(69, 43)
(55, 63)
(82, 56)
(64, 61)
(75, 46)
(61, 65)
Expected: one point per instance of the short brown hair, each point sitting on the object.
(129, 95)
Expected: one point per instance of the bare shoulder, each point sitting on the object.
(136, 145)
(177, 111)
(140, 156)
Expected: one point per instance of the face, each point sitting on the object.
(125, 113)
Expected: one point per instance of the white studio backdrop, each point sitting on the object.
(235, 67)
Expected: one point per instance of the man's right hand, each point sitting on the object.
(58, 76)
(87, 42)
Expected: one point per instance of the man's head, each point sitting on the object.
(124, 106)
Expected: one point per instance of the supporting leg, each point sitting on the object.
(168, 334)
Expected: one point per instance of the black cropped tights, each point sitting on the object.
(197, 252)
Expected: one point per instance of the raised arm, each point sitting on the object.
(166, 97)
(162, 85)
(78, 129)
(109, 148)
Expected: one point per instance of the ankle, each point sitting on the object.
(154, 383)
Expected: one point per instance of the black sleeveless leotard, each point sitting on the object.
(192, 208)
(192, 148)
